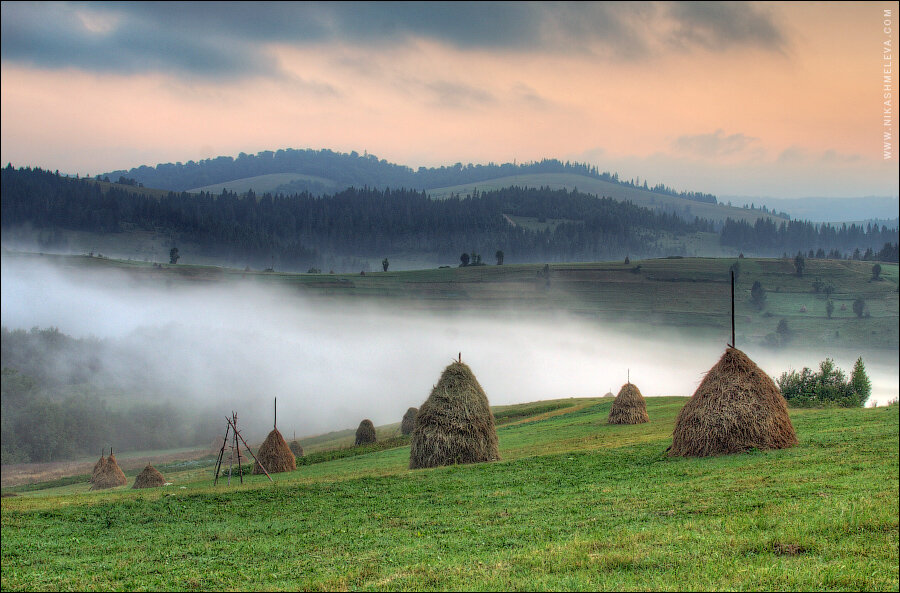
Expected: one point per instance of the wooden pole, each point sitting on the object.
(238, 449)
(249, 450)
(221, 452)
(732, 309)
(275, 414)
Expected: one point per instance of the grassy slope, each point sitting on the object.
(576, 504)
(261, 184)
(639, 197)
(689, 294)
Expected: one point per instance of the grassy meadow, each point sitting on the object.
(575, 504)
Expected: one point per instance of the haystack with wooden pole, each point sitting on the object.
(409, 421)
(109, 474)
(149, 478)
(737, 407)
(455, 424)
(295, 447)
(97, 466)
(275, 455)
(629, 406)
(365, 434)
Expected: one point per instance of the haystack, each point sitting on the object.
(409, 421)
(737, 407)
(365, 434)
(296, 448)
(109, 475)
(275, 455)
(100, 463)
(149, 478)
(455, 424)
(629, 406)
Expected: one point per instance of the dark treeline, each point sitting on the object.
(57, 403)
(353, 169)
(303, 231)
(765, 237)
(300, 229)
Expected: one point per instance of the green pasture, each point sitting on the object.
(574, 504)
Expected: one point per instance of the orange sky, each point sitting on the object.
(798, 117)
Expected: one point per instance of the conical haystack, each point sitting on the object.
(737, 407)
(409, 421)
(275, 455)
(629, 406)
(296, 448)
(97, 466)
(365, 434)
(149, 478)
(109, 475)
(455, 424)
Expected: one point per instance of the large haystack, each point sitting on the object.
(455, 424)
(365, 434)
(149, 478)
(629, 406)
(737, 407)
(109, 475)
(296, 448)
(409, 421)
(275, 455)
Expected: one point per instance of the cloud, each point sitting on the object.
(713, 145)
(234, 39)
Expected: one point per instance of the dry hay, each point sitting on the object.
(8, 495)
(97, 466)
(609, 394)
(365, 434)
(455, 424)
(409, 421)
(109, 475)
(737, 407)
(296, 448)
(275, 455)
(629, 407)
(149, 478)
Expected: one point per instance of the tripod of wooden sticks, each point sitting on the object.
(231, 429)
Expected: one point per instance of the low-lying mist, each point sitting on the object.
(221, 347)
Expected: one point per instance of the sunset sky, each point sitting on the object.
(752, 99)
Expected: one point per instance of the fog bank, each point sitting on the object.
(238, 346)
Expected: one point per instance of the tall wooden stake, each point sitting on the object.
(237, 447)
(732, 309)
(275, 414)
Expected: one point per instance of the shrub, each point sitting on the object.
(827, 387)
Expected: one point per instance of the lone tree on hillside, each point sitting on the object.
(385, 263)
(173, 256)
(859, 306)
(799, 263)
(499, 256)
(876, 272)
(758, 295)
(829, 308)
(464, 260)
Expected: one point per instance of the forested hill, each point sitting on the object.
(320, 171)
(302, 231)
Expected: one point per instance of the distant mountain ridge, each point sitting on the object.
(321, 171)
(880, 209)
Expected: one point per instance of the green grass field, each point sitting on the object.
(575, 504)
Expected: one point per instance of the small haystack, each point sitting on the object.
(275, 455)
(296, 448)
(97, 466)
(365, 434)
(455, 424)
(409, 421)
(109, 474)
(609, 394)
(629, 406)
(149, 478)
(737, 407)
